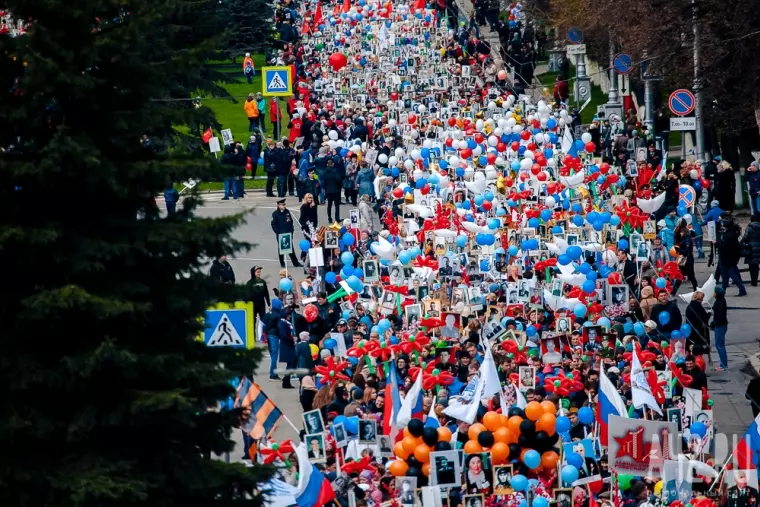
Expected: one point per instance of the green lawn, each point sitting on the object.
(230, 112)
(598, 97)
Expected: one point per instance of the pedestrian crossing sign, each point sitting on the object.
(230, 325)
(276, 81)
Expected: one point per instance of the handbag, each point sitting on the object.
(681, 261)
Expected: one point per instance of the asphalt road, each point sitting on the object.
(732, 411)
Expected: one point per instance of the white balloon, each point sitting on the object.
(550, 202)
(693, 174)
(421, 109)
(415, 134)
(391, 122)
(468, 172)
(477, 151)
(498, 132)
(492, 105)
(511, 122)
(479, 125)
(427, 143)
(586, 137)
(500, 162)
(543, 122)
(562, 122)
(332, 144)
(417, 174)
(453, 160)
(408, 164)
(490, 172)
(551, 162)
(393, 161)
(332, 135)
(529, 154)
(382, 158)
(688, 218)
(399, 152)
(525, 164)
(356, 149)
(493, 140)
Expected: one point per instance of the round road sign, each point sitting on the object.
(575, 35)
(622, 63)
(681, 102)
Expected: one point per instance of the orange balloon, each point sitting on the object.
(406, 432)
(472, 446)
(547, 423)
(501, 435)
(397, 468)
(513, 438)
(474, 430)
(549, 407)
(409, 443)
(549, 459)
(533, 410)
(514, 424)
(491, 421)
(444, 434)
(422, 453)
(504, 420)
(400, 451)
(499, 452)
(426, 469)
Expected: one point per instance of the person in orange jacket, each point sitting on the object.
(252, 111)
(249, 69)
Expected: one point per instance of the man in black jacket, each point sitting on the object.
(664, 304)
(258, 292)
(729, 252)
(253, 150)
(222, 271)
(282, 223)
(720, 325)
(271, 154)
(627, 269)
(333, 184)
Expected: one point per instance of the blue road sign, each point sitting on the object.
(686, 196)
(229, 326)
(276, 81)
(575, 35)
(681, 102)
(622, 63)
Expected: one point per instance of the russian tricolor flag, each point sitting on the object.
(313, 486)
(610, 403)
(392, 401)
(431, 421)
(747, 452)
(411, 408)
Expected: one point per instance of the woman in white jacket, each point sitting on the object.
(365, 214)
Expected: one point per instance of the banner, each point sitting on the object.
(639, 447)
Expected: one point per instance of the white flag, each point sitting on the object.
(405, 413)
(490, 375)
(642, 393)
(520, 397)
(468, 410)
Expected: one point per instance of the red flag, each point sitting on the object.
(418, 4)
(319, 19)
(207, 135)
(346, 6)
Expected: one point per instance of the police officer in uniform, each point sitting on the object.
(282, 223)
(741, 494)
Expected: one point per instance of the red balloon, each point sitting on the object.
(248, 167)
(508, 182)
(412, 118)
(501, 147)
(524, 135)
(541, 176)
(604, 167)
(487, 205)
(532, 146)
(515, 146)
(398, 193)
(535, 169)
(705, 183)
(425, 190)
(310, 313)
(590, 147)
(612, 179)
(614, 278)
(394, 96)
(450, 141)
(452, 122)
(491, 157)
(479, 138)
(466, 153)
(337, 61)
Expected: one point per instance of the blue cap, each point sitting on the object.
(276, 304)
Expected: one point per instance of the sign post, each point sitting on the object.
(681, 103)
(277, 83)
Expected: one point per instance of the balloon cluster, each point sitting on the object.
(413, 451)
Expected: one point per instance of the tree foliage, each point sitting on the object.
(663, 31)
(106, 392)
(249, 27)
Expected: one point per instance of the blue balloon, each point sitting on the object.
(627, 326)
(675, 334)
(286, 284)
(546, 215)
(569, 475)
(588, 287)
(346, 272)
(515, 165)
(347, 258)
(513, 250)
(355, 283)
(563, 424)
(358, 273)
(461, 241)
(384, 325)
(346, 314)
(598, 225)
(603, 321)
(540, 501)
(330, 344)
(623, 244)
(531, 331)
(488, 196)
(661, 283)
(580, 311)
(604, 271)
(519, 482)
(585, 268)
(579, 145)
(592, 276)
(639, 328)
(614, 220)
(533, 222)
(349, 239)
(586, 415)
(572, 458)
(664, 318)
(494, 224)
(574, 252)
(578, 220)
(685, 330)
(698, 428)
(330, 277)
(532, 244)
(551, 124)
(405, 257)
(532, 459)
(304, 244)
(697, 186)
(557, 230)
(681, 211)
(564, 260)
(460, 172)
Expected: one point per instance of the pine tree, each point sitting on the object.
(248, 26)
(106, 394)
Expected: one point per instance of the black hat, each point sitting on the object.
(280, 201)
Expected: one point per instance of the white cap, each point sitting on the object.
(247, 55)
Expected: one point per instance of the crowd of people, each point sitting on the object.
(491, 302)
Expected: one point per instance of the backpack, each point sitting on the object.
(249, 68)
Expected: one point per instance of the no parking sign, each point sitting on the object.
(687, 196)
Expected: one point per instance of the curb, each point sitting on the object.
(754, 364)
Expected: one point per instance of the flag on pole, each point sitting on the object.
(521, 402)
(207, 135)
(319, 18)
(466, 408)
(392, 401)
(432, 419)
(411, 407)
(642, 393)
(313, 487)
(610, 403)
(264, 417)
(747, 451)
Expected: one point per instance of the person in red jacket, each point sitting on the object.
(561, 91)
(295, 127)
(275, 116)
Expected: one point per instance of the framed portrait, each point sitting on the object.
(340, 434)
(388, 302)
(634, 240)
(413, 313)
(445, 469)
(367, 431)
(493, 330)
(551, 351)
(502, 480)
(478, 473)
(285, 243)
(563, 325)
(315, 445)
(473, 501)
(405, 487)
(649, 230)
(674, 415)
(526, 378)
(371, 270)
(452, 322)
(384, 444)
(617, 295)
(331, 239)
(592, 334)
(642, 251)
(396, 274)
(353, 215)
(313, 422)
(458, 296)
(572, 239)
(444, 356)
(563, 497)
(433, 308)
